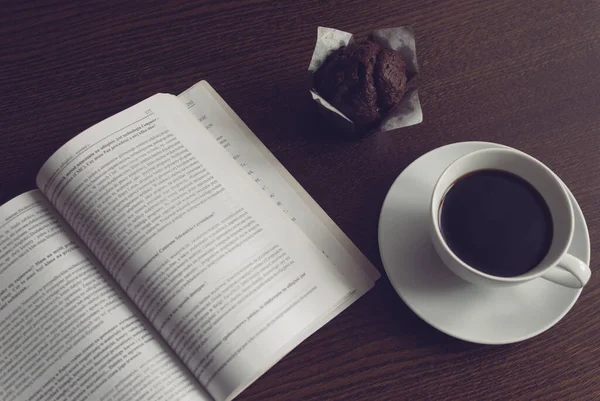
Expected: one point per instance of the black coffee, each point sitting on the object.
(496, 222)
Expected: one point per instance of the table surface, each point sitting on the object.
(524, 74)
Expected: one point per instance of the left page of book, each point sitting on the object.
(66, 330)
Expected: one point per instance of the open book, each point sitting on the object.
(154, 262)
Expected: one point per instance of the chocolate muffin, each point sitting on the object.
(365, 82)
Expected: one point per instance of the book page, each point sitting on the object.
(270, 175)
(283, 190)
(223, 274)
(66, 330)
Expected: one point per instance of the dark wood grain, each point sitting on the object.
(521, 73)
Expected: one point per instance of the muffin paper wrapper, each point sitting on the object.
(400, 39)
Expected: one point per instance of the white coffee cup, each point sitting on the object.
(557, 266)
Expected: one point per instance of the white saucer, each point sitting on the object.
(448, 303)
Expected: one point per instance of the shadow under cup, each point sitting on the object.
(532, 171)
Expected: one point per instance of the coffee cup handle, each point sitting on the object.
(569, 272)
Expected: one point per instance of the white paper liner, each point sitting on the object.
(400, 39)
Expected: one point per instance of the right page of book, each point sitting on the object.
(229, 130)
(222, 273)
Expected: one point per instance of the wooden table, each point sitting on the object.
(525, 74)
